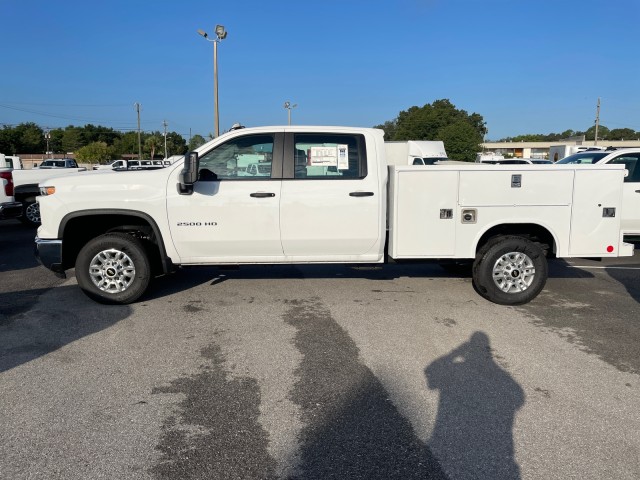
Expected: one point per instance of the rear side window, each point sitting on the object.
(329, 156)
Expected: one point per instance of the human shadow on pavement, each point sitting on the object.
(473, 434)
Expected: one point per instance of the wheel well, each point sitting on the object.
(531, 231)
(77, 231)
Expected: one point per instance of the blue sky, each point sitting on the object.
(526, 66)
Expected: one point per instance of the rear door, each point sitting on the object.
(330, 208)
(631, 192)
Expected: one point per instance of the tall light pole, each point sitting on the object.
(164, 124)
(137, 107)
(289, 107)
(220, 34)
(595, 137)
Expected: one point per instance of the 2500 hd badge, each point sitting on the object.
(197, 224)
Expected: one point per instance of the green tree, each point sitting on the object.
(31, 138)
(152, 144)
(431, 121)
(126, 144)
(72, 139)
(603, 133)
(55, 142)
(622, 134)
(461, 140)
(8, 141)
(96, 152)
(196, 141)
(176, 144)
(92, 133)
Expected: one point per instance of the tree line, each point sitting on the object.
(461, 132)
(91, 142)
(603, 134)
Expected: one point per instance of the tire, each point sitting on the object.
(30, 214)
(510, 271)
(113, 268)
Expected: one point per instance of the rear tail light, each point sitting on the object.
(8, 188)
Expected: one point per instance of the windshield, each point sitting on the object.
(583, 157)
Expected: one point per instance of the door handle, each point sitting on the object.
(262, 194)
(637, 191)
(361, 194)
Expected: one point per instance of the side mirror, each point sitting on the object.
(189, 174)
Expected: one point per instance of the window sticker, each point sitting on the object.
(323, 156)
(343, 157)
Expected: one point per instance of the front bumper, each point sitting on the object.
(49, 254)
(10, 210)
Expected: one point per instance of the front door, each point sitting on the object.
(233, 213)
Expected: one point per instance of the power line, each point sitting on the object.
(65, 104)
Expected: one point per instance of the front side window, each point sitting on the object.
(243, 158)
(329, 156)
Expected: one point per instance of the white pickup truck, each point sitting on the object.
(330, 198)
(133, 165)
(9, 208)
(27, 190)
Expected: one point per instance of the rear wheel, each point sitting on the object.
(510, 271)
(113, 268)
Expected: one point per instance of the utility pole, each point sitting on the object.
(595, 142)
(137, 107)
(164, 124)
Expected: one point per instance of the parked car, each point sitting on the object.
(538, 161)
(586, 158)
(508, 161)
(58, 163)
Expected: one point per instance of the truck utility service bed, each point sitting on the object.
(427, 208)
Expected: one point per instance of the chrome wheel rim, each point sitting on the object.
(513, 272)
(112, 271)
(32, 212)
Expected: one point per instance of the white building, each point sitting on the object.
(541, 149)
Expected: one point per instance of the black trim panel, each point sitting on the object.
(166, 261)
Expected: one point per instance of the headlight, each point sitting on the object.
(44, 191)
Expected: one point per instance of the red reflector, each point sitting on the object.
(610, 249)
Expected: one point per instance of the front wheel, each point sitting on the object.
(511, 271)
(31, 214)
(113, 268)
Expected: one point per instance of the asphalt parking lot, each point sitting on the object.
(317, 372)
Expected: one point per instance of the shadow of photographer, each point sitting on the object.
(473, 434)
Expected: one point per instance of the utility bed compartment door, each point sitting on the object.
(593, 229)
(501, 185)
(422, 220)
